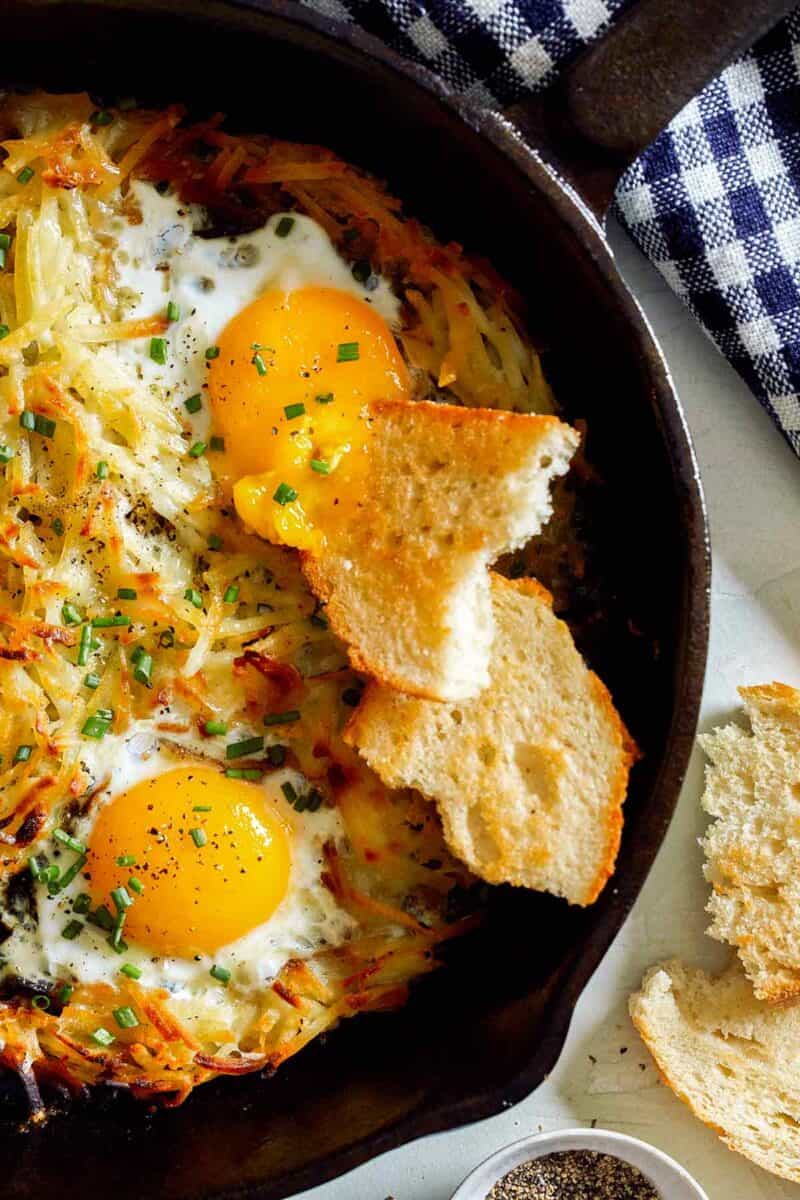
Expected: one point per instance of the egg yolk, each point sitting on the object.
(210, 857)
(289, 390)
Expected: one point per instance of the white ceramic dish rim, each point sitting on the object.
(671, 1180)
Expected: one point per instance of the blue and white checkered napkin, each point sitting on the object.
(714, 202)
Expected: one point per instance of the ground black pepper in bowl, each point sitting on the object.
(574, 1175)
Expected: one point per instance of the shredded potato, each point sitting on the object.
(73, 534)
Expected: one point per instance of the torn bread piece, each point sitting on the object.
(405, 579)
(753, 846)
(729, 1056)
(530, 776)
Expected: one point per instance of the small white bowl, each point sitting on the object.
(668, 1177)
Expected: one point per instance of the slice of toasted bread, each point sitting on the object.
(729, 1056)
(530, 776)
(405, 580)
(753, 847)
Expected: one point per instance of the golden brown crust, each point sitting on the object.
(436, 500)
(397, 734)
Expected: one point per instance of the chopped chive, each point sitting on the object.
(102, 918)
(44, 425)
(289, 792)
(126, 860)
(201, 808)
(92, 681)
(3, 253)
(65, 994)
(27, 420)
(320, 466)
(347, 352)
(71, 930)
(277, 755)
(198, 450)
(5, 241)
(121, 898)
(294, 410)
(158, 350)
(198, 836)
(259, 364)
(130, 970)
(217, 444)
(126, 593)
(96, 726)
(212, 352)
(25, 175)
(84, 646)
(214, 728)
(136, 885)
(4, 331)
(326, 398)
(70, 614)
(173, 312)
(70, 842)
(231, 594)
(101, 470)
(110, 622)
(142, 671)
(71, 873)
(6, 454)
(282, 718)
(57, 526)
(253, 745)
(194, 597)
(102, 1037)
(22, 753)
(166, 639)
(82, 903)
(221, 974)
(284, 494)
(194, 403)
(37, 864)
(243, 773)
(101, 117)
(314, 800)
(126, 1018)
(284, 227)
(215, 542)
(115, 941)
(41, 1002)
(301, 804)
(138, 654)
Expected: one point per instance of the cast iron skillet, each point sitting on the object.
(481, 1034)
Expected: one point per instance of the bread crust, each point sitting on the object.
(448, 490)
(752, 853)
(526, 793)
(728, 1057)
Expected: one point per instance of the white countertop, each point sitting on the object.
(752, 484)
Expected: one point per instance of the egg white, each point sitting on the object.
(307, 919)
(210, 280)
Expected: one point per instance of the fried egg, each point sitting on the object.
(277, 344)
(219, 878)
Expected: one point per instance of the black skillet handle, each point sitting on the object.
(621, 92)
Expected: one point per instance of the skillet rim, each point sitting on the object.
(686, 487)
